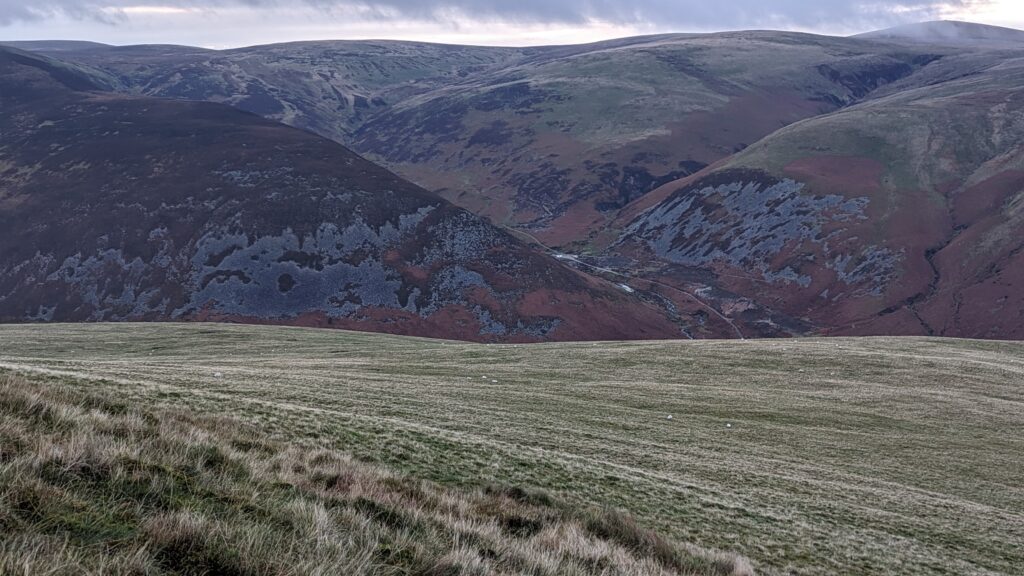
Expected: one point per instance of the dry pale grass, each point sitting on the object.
(90, 484)
(890, 456)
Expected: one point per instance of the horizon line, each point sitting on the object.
(507, 46)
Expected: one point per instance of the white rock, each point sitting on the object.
(218, 375)
(669, 417)
(728, 425)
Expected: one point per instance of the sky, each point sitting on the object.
(233, 23)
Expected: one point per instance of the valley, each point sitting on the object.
(758, 183)
(199, 211)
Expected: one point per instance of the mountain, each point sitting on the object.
(551, 139)
(327, 87)
(898, 215)
(750, 183)
(951, 32)
(561, 142)
(119, 207)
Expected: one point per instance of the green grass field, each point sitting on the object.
(841, 456)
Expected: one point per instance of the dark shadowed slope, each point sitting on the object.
(900, 215)
(116, 207)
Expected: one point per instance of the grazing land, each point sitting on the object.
(91, 484)
(838, 456)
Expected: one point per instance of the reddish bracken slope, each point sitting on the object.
(900, 215)
(131, 208)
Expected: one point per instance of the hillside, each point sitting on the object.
(94, 485)
(794, 184)
(116, 207)
(812, 456)
(559, 143)
(329, 87)
(899, 215)
(554, 139)
(949, 32)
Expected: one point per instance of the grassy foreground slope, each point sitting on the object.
(90, 484)
(841, 456)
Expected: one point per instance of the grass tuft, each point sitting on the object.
(94, 486)
(809, 456)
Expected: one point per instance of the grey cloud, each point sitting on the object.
(679, 13)
(19, 10)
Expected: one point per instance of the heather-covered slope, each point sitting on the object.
(900, 215)
(795, 183)
(555, 139)
(115, 208)
(560, 142)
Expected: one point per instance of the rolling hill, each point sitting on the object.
(328, 87)
(844, 456)
(91, 484)
(552, 139)
(898, 215)
(745, 183)
(559, 143)
(951, 32)
(117, 207)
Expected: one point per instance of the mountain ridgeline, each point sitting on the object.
(703, 185)
(118, 207)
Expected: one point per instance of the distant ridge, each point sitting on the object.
(950, 32)
(55, 45)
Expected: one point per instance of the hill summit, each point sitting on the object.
(950, 32)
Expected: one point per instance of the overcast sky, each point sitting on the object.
(231, 23)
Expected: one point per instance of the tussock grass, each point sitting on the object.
(887, 456)
(90, 484)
